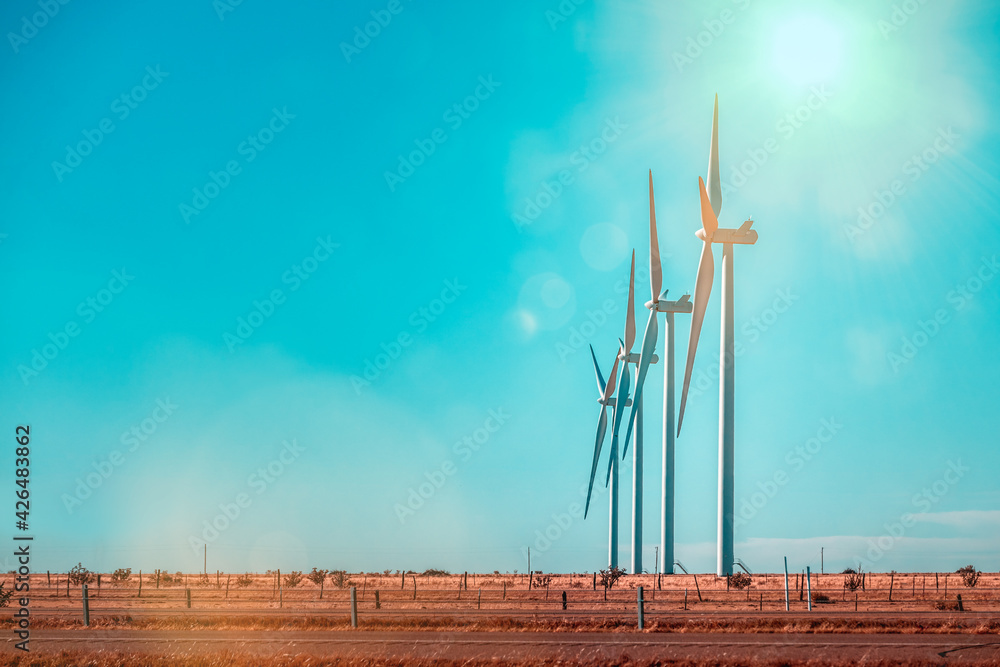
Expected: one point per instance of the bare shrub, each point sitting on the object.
(853, 579)
(608, 578)
(317, 576)
(121, 576)
(740, 581)
(970, 575)
(80, 575)
(340, 579)
(293, 579)
(244, 580)
(5, 596)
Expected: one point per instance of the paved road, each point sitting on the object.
(954, 648)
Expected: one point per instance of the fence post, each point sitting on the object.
(86, 606)
(414, 587)
(354, 606)
(697, 588)
(595, 581)
(564, 600)
(157, 578)
(479, 602)
(188, 590)
(378, 603)
(281, 597)
(809, 589)
(892, 577)
(140, 584)
(786, 583)
(640, 603)
(504, 590)
(227, 585)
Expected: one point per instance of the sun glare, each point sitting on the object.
(807, 50)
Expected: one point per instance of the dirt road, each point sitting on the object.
(518, 646)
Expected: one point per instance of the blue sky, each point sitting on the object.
(315, 270)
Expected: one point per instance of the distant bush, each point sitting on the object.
(853, 580)
(435, 573)
(740, 581)
(80, 575)
(244, 580)
(820, 597)
(317, 576)
(608, 578)
(340, 579)
(970, 575)
(121, 576)
(5, 596)
(543, 580)
(293, 579)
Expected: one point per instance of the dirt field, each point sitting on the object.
(420, 618)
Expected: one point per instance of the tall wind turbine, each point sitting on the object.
(658, 304)
(606, 399)
(711, 205)
(621, 401)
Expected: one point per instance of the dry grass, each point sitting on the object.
(758, 625)
(227, 658)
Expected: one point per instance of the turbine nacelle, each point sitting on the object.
(744, 235)
(682, 305)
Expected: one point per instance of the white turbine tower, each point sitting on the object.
(711, 205)
(657, 304)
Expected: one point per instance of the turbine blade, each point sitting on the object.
(714, 182)
(602, 427)
(709, 221)
(655, 270)
(630, 313)
(648, 347)
(702, 291)
(597, 369)
(624, 381)
(612, 379)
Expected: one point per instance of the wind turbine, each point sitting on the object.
(658, 304)
(606, 399)
(711, 205)
(620, 402)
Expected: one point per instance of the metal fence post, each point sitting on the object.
(786, 583)
(809, 589)
(188, 598)
(640, 603)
